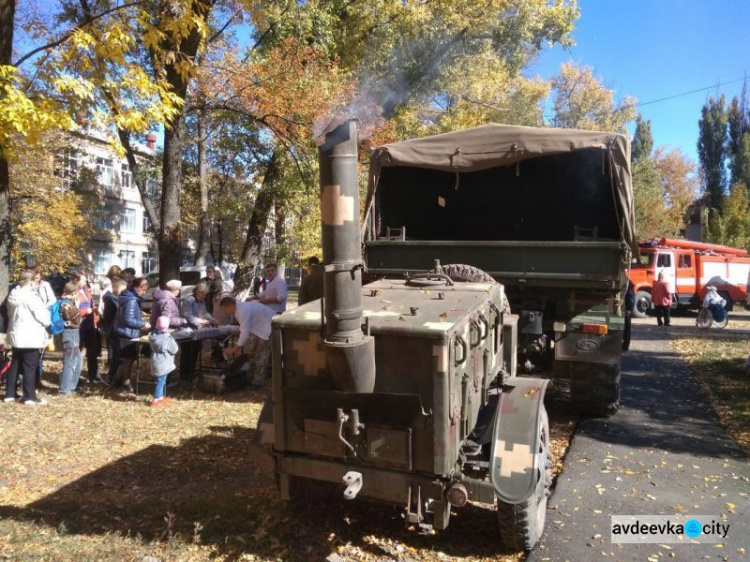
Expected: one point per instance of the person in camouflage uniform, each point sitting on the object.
(254, 319)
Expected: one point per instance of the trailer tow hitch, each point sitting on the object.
(353, 481)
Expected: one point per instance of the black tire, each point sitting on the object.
(642, 304)
(469, 274)
(521, 525)
(595, 389)
(730, 303)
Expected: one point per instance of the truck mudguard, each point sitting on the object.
(515, 442)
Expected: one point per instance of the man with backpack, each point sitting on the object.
(72, 356)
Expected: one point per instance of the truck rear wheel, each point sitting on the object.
(521, 525)
(595, 388)
(642, 304)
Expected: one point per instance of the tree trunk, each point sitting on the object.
(140, 182)
(220, 233)
(279, 234)
(253, 249)
(7, 19)
(204, 232)
(170, 233)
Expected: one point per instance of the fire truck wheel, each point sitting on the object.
(595, 389)
(730, 303)
(642, 304)
(521, 525)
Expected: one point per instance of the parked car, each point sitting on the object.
(190, 275)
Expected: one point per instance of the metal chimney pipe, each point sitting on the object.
(350, 354)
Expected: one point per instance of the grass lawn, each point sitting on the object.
(718, 360)
(101, 476)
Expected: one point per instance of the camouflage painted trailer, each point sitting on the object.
(404, 390)
(546, 212)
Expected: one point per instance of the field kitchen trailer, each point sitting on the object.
(405, 390)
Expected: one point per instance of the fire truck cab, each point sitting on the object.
(689, 267)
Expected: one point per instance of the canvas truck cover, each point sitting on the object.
(508, 149)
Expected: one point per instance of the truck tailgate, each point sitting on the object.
(583, 264)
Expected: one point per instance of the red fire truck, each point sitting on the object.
(689, 267)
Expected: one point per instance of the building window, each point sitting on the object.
(67, 166)
(102, 261)
(151, 187)
(127, 220)
(104, 217)
(127, 258)
(104, 171)
(146, 224)
(148, 263)
(127, 177)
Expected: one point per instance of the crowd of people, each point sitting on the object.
(117, 322)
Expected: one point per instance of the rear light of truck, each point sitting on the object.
(598, 329)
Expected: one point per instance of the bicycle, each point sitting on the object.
(706, 319)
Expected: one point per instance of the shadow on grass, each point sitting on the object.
(209, 490)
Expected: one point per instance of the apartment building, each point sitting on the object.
(124, 236)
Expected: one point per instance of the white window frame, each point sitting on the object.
(146, 224)
(148, 262)
(126, 176)
(67, 168)
(105, 171)
(104, 217)
(151, 187)
(102, 260)
(127, 259)
(128, 226)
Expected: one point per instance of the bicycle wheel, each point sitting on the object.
(723, 323)
(705, 318)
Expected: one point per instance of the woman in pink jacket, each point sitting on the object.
(662, 300)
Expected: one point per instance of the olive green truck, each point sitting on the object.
(483, 246)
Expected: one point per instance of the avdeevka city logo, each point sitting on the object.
(693, 528)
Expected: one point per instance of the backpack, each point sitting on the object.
(61, 312)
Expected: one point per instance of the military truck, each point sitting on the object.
(404, 390)
(546, 212)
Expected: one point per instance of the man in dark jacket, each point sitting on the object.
(629, 307)
(109, 316)
(128, 326)
(311, 287)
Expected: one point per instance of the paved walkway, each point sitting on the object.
(664, 452)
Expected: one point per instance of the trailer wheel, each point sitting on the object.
(642, 304)
(595, 388)
(521, 525)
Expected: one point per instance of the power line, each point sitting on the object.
(641, 104)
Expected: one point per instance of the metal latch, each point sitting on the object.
(353, 481)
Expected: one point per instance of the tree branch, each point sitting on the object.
(69, 34)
